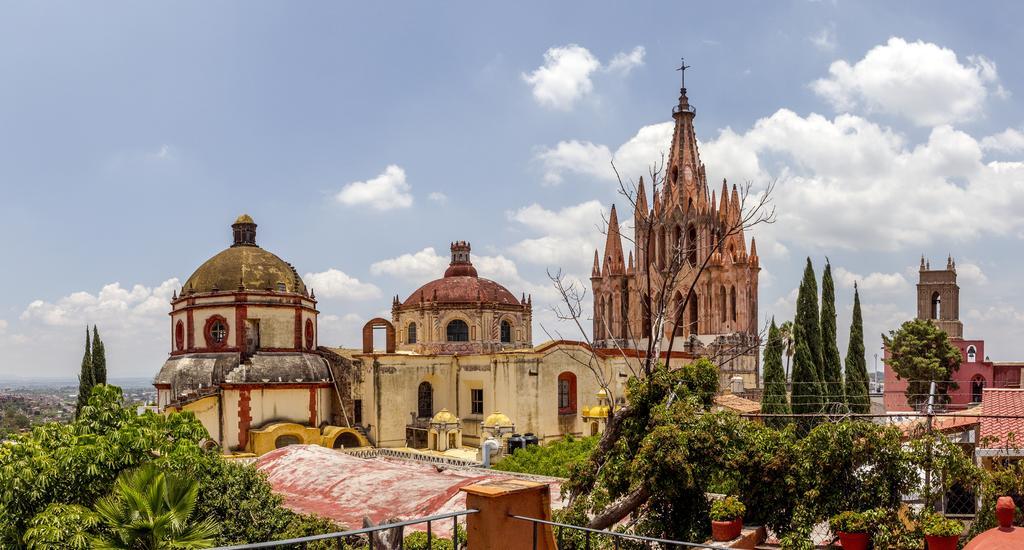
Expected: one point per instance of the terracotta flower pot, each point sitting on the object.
(722, 531)
(942, 543)
(853, 541)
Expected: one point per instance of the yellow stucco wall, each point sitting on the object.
(277, 325)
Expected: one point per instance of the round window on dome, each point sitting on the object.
(216, 331)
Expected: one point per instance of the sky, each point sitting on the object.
(365, 137)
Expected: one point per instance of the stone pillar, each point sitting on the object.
(493, 527)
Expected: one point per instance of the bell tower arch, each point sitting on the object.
(938, 297)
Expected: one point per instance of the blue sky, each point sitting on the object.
(364, 138)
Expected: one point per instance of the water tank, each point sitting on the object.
(515, 442)
(530, 439)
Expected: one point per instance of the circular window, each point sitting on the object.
(179, 336)
(309, 334)
(216, 331)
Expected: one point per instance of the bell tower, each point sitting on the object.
(938, 297)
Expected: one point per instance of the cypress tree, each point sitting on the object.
(831, 369)
(774, 400)
(856, 367)
(85, 377)
(99, 358)
(806, 395)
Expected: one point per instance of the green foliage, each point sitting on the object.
(935, 525)
(418, 541)
(894, 529)
(61, 527)
(86, 377)
(52, 472)
(848, 522)
(831, 367)
(949, 465)
(1005, 478)
(149, 510)
(857, 397)
(556, 459)
(727, 509)
(807, 396)
(920, 353)
(774, 399)
(99, 358)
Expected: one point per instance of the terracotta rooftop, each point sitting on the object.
(736, 403)
(462, 289)
(995, 432)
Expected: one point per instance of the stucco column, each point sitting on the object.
(493, 527)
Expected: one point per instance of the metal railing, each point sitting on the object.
(303, 542)
(615, 536)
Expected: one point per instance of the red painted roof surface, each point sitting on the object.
(329, 483)
(1006, 403)
(461, 289)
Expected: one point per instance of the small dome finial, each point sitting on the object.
(244, 231)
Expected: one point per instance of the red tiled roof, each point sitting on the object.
(461, 289)
(317, 480)
(1009, 405)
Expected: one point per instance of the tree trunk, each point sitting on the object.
(620, 509)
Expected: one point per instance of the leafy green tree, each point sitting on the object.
(806, 396)
(86, 378)
(856, 387)
(919, 352)
(99, 358)
(774, 399)
(556, 459)
(786, 333)
(61, 527)
(149, 510)
(831, 363)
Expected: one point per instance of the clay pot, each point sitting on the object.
(941, 543)
(722, 531)
(854, 541)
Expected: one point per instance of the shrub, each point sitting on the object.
(727, 509)
(935, 525)
(848, 522)
(556, 459)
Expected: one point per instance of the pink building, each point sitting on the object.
(938, 299)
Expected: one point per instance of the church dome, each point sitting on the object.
(497, 420)
(244, 266)
(461, 284)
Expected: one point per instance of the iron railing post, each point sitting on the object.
(430, 538)
(535, 535)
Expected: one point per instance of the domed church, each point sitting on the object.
(244, 352)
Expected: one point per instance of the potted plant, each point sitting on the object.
(942, 533)
(852, 529)
(727, 518)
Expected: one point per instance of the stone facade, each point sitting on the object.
(690, 224)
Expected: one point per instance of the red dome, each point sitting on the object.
(461, 289)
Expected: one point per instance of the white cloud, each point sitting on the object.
(848, 182)
(632, 159)
(387, 191)
(113, 306)
(971, 274)
(565, 239)
(872, 282)
(1010, 140)
(625, 62)
(417, 267)
(438, 197)
(825, 39)
(334, 283)
(565, 76)
(918, 80)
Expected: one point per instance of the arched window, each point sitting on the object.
(732, 302)
(972, 354)
(679, 244)
(645, 313)
(179, 336)
(661, 248)
(723, 302)
(411, 337)
(286, 440)
(691, 246)
(506, 332)
(425, 400)
(977, 385)
(936, 305)
(457, 331)
(567, 393)
(310, 336)
(216, 331)
(679, 329)
(693, 304)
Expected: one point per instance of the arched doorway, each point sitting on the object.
(425, 400)
(977, 387)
